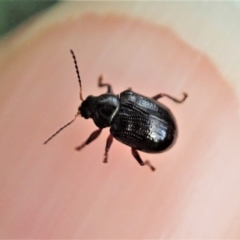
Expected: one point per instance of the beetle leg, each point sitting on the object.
(140, 161)
(108, 145)
(101, 84)
(91, 138)
(172, 98)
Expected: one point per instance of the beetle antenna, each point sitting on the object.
(60, 129)
(78, 74)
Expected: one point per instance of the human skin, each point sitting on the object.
(52, 191)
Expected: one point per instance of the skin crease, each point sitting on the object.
(54, 192)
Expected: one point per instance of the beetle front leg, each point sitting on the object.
(108, 145)
(91, 138)
(101, 84)
(160, 95)
(140, 161)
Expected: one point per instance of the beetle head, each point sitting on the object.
(85, 109)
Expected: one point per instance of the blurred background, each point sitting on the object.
(13, 13)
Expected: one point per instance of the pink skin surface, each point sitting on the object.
(51, 191)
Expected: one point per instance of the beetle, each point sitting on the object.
(137, 121)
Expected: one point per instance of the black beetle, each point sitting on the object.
(140, 122)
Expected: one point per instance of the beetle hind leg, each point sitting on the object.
(160, 95)
(140, 161)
